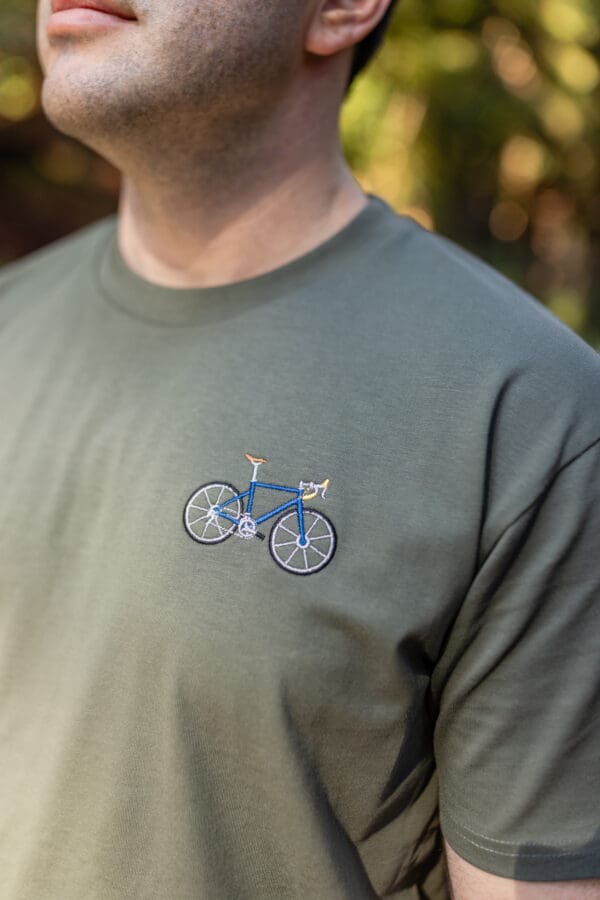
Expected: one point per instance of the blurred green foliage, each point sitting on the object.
(49, 184)
(482, 120)
(479, 119)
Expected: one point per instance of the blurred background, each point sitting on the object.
(479, 119)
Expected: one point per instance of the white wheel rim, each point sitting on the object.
(291, 555)
(202, 523)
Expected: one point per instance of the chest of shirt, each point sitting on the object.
(101, 457)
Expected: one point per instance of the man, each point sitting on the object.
(182, 715)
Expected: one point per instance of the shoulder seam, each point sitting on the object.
(539, 496)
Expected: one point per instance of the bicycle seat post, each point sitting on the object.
(255, 461)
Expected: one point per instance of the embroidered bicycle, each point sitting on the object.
(302, 541)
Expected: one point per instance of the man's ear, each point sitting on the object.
(339, 24)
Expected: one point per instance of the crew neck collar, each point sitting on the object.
(161, 305)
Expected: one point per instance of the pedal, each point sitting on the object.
(260, 535)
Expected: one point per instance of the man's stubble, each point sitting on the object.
(196, 71)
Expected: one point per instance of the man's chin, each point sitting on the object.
(111, 129)
(75, 115)
(61, 108)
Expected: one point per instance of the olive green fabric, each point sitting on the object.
(182, 720)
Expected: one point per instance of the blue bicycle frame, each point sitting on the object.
(297, 502)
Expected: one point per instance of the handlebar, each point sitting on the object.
(313, 489)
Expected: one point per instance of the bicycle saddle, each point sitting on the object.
(255, 460)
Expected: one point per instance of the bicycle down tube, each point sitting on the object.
(274, 487)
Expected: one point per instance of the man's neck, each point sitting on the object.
(194, 230)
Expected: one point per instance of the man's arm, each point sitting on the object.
(518, 720)
(470, 883)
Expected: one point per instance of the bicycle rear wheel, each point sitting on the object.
(290, 554)
(202, 521)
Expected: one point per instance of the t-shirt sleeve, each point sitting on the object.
(517, 739)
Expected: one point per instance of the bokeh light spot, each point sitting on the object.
(508, 221)
(576, 68)
(568, 306)
(562, 118)
(454, 51)
(18, 89)
(523, 162)
(567, 20)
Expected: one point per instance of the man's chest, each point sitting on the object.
(143, 555)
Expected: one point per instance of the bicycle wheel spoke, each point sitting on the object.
(220, 528)
(284, 544)
(306, 566)
(316, 550)
(199, 519)
(311, 527)
(291, 556)
(321, 537)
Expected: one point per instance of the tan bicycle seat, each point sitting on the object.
(255, 460)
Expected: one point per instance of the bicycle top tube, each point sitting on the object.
(260, 484)
(277, 487)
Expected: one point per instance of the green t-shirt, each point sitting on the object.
(181, 715)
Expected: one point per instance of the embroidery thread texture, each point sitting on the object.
(302, 540)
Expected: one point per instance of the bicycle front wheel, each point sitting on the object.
(287, 549)
(203, 522)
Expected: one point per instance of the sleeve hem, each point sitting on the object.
(527, 862)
